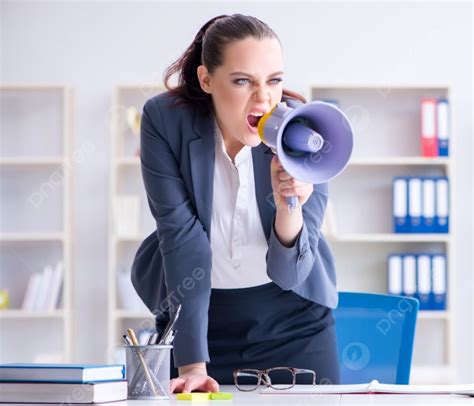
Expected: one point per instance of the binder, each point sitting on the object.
(429, 142)
(439, 275)
(442, 205)
(400, 205)
(395, 276)
(423, 281)
(409, 275)
(415, 205)
(428, 205)
(442, 125)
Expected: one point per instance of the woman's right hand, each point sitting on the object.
(193, 377)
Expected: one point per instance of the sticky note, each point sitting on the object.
(193, 396)
(204, 396)
(221, 396)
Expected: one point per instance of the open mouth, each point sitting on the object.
(253, 120)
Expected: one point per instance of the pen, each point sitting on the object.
(170, 325)
(126, 340)
(148, 378)
(152, 339)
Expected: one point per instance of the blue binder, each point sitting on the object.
(442, 125)
(439, 281)
(401, 221)
(409, 275)
(415, 204)
(423, 281)
(428, 205)
(395, 274)
(442, 205)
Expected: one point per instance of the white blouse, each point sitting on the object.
(238, 242)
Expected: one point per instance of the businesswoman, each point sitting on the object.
(255, 281)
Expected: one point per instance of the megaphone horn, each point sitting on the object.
(301, 134)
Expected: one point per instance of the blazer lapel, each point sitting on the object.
(261, 157)
(202, 160)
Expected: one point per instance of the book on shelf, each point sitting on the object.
(434, 127)
(43, 291)
(75, 373)
(420, 204)
(63, 393)
(422, 276)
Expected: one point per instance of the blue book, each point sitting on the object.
(72, 373)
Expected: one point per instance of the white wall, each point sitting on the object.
(94, 46)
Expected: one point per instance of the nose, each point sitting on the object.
(261, 94)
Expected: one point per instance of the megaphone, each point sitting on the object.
(313, 141)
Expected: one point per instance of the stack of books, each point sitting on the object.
(62, 383)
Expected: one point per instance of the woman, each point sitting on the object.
(256, 282)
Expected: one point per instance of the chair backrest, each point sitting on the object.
(375, 335)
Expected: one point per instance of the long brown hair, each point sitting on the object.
(208, 49)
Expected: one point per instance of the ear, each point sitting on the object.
(204, 79)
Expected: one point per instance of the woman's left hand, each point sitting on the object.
(285, 185)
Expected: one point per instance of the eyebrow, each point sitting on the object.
(250, 76)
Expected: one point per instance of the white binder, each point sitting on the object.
(415, 203)
(409, 275)
(439, 282)
(400, 209)
(429, 199)
(423, 279)
(442, 115)
(442, 205)
(395, 276)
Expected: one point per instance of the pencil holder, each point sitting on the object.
(148, 371)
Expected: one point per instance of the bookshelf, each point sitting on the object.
(126, 181)
(386, 123)
(35, 220)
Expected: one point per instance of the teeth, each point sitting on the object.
(256, 114)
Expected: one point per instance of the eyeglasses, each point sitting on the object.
(247, 380)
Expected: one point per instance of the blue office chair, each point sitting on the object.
(375, 335)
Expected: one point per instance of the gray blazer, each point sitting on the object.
(173, 264)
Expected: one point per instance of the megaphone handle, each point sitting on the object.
(293, 203)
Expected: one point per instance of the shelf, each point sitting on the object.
(30, 161)
(128, 161)
(386, 161)
(136, 238)
(431, 375)
(23, 314)
(434, 315)
(356, 237)
(31, 237)
(130, 314)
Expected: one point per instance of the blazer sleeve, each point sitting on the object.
(289, 267)
(182, 240)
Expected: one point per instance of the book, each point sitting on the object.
(375, 387)
(74, 373)
(64, 393)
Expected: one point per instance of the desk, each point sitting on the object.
(257, 399)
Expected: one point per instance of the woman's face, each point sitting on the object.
(247, 85)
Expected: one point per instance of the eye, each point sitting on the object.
(275, 81)
(240, 81)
